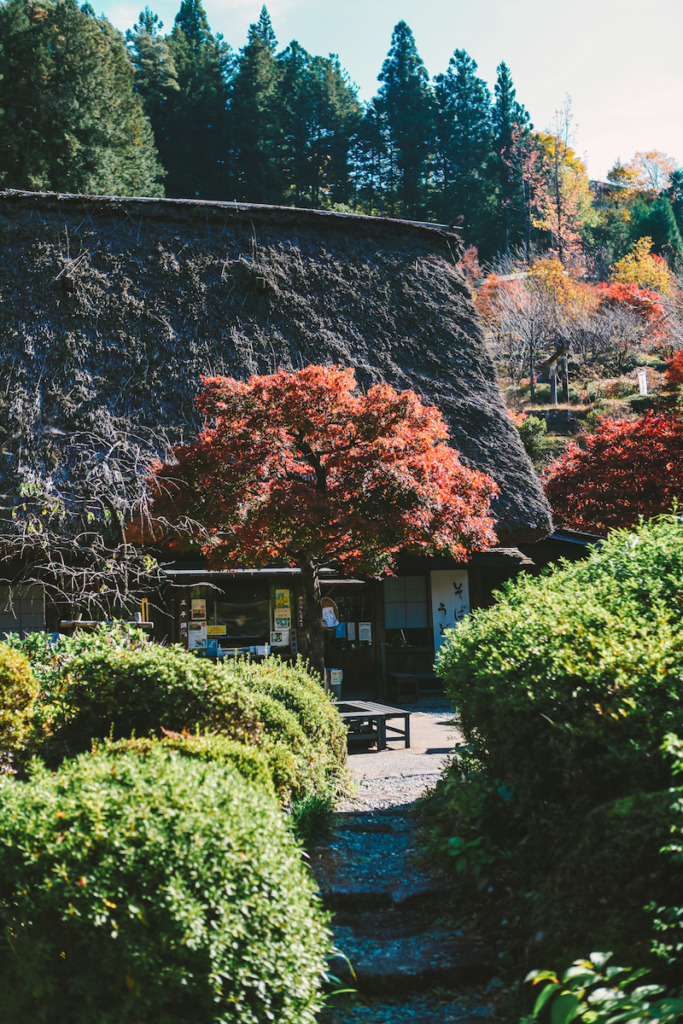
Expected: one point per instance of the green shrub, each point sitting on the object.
(49, 657)
(251, 762)
(565, 690)
(534, 434)
(18, 692)
(580, 670)
(607, 877)
(600, 993)
(156, 888)
(281, 729)
(120, 692)
(312, 817)
(621, 388)
(640, 403)
(319, 722)
(669, 912)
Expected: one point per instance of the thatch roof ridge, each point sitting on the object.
(283, 216)
(112, 309)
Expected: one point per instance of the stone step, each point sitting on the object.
(349, 896)
(378, 965)
(446, 1008)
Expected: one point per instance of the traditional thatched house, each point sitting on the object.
(112, 309)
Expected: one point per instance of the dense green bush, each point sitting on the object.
(565, 690)
(318, 723)
(18, 692)
(567, 686)
(115, 683)
(120, 692)
(153, 888)
(49, 656)
(251, 762)
(669, 913)
(534, 434)
(608, 878)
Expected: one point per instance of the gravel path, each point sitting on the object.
(396, 776)
(398, 947)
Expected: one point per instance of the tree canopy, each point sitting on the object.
(300, 469)
(71, 120)
(625, 470)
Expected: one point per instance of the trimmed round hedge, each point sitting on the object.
(251, 762)
(18, 692)
(121, 692)
(566, 688)
(156, 887)
(294, 688)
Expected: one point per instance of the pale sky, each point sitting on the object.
(618, 61)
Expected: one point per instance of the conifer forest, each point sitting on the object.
(179, 113)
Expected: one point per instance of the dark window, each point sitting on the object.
(22, 610)
(243, 608)
(406, 613)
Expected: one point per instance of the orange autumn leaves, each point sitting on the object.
(301, 466)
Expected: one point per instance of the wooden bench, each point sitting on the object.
(371, 720)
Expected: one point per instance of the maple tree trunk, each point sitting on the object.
(313, 617)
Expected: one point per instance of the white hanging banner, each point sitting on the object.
(450, 601)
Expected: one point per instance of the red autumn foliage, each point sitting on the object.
(642, 301)
(674, 371)
(300, 469)
(625, 470)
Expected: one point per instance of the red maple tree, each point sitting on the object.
(626, 469)
(300, 469)
(643, 302)
(674, 371)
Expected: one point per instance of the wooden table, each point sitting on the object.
(375, 718)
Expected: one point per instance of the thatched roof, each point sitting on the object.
(112, 309)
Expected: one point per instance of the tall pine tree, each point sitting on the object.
(156, 78)
(406, 103)
(256, 136)
(320, 115)
(511, 126)
(71, 120)
(193, 124)
(464, 137)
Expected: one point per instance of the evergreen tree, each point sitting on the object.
(340, 118)
(257, 158)
(71, 119)
(510, 123)
(406, 103)
(675, 196)
(320, 115)
(155, 72)
(464, 138)
(298, 122)
(193, 121)
(372, 161)
(656, 220)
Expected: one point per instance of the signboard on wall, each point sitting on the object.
(450, 601)
(196, 637)
(282, 618)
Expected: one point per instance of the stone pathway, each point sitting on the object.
(397, 948)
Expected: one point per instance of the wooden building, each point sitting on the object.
(112, 310)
